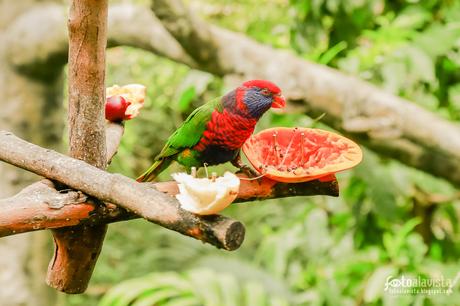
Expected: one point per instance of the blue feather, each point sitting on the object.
(256, 102)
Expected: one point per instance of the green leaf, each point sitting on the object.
(332, 52)
(395, 242)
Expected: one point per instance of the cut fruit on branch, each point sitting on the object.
(204, 196)
(294, 155)
(124, 103)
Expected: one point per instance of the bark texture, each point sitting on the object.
(191, 32)
(87, 43)
(77, 248)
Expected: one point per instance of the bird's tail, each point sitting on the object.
(154, 170)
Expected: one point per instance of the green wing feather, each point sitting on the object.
(186, 136)
(191, 131)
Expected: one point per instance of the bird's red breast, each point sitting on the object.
(227, 130)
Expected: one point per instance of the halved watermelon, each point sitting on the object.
(300, 154)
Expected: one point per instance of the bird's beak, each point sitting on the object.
(278, 102)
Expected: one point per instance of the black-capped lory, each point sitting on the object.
(215, 132)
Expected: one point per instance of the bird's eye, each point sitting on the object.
(265, 92)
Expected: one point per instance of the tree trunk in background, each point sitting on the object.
(31, 106)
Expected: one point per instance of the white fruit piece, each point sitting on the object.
(205, 196)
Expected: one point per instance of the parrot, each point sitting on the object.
(215, 132)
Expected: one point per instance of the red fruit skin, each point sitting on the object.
(115, 108)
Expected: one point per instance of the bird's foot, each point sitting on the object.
(245, 169)
(251, 174)
(248, 171)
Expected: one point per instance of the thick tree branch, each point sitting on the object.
(88, 40)
(191, 32)
(77, 248)
(137, 198)
(136, 26)
(40, 206)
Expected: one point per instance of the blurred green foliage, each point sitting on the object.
(389, 220)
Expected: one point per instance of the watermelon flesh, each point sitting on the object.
(300, 154)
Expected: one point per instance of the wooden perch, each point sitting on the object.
(77, 248)
(40, 206)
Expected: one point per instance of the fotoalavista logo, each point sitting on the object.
(420, 285)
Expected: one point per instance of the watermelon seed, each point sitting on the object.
(275, 137)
